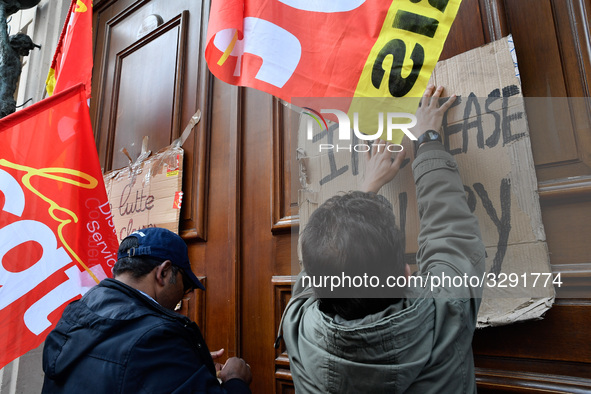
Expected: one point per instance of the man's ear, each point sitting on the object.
(162, 272)
(407, 270)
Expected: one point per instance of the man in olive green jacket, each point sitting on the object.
(420, 340)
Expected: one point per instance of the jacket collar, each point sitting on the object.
(136, 295)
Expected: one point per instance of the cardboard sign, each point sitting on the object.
(486, 131)
(147, 193)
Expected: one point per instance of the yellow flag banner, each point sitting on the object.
(404, 55)
(401, 66)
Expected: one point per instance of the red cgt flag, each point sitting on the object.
(57, 237)
(315, 48)
(72, 61)
(370, 53)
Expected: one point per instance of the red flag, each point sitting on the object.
(345, 48)
(57, 237)
(72, 61)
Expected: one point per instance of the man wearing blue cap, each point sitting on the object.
(123, 336)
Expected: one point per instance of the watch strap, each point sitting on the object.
(427, 136)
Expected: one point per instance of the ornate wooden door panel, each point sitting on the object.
(552, 44)
(140, 60)
(257, 241)
(551, 40)
(268, 217)
(149, 79)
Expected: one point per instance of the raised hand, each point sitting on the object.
(430, 114)
(381, 168)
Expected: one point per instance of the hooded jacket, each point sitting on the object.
(422, 344)
(116, 340)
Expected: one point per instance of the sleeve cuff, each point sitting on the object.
(236, 386)
(432, 156)
(430, 146)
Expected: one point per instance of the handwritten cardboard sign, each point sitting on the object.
(486, 131)
(147, 193)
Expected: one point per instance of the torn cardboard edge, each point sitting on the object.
(519, 310)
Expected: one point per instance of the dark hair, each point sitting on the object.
(353, 234)
(138, 266)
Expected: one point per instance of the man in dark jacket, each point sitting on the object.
(417, 340)
(123, 336)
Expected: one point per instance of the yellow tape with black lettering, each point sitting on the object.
(402, 59)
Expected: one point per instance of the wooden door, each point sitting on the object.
(149, 78)
(552, 44)
(240, 210)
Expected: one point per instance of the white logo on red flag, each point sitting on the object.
(57, 236)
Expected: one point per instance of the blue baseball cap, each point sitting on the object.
(162, 244)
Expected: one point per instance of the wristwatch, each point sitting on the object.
(427, 136)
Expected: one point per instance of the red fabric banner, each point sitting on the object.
(315, 48)
(57, 236)
(72, 61)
